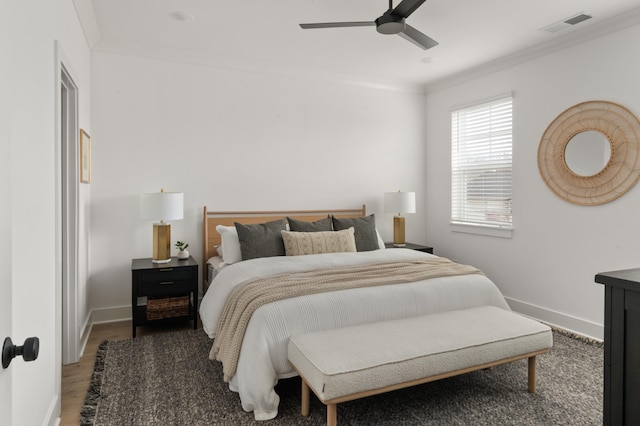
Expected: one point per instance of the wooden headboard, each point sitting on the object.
(211, 237)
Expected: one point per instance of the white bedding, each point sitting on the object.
(263, 357)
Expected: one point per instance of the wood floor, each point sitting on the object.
(76, 377)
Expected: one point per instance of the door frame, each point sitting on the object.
(67, 208)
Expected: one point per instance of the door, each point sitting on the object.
(5, 261)
(5, 207)
(5, 270)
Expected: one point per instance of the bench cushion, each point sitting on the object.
(345, 361)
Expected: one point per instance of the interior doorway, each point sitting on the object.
(69, 135)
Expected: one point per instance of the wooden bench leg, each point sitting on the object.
(305, 398)
(332, 415)
(532, 374)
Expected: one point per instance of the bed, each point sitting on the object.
(372, 295)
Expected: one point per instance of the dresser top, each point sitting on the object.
(627, 278)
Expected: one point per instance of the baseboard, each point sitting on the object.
(566, 322)
(553, 318)
(53, 413)
(113, 314)
(84, 334)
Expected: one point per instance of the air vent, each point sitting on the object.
(567, 23)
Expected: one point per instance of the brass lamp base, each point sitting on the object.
(398, 231)
(161, 243)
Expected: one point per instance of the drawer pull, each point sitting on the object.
(166, 282)
(166, 270)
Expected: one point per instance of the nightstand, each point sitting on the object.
(418, 247)
(163, 292)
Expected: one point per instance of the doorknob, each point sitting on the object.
(28, 351)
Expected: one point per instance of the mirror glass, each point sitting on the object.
(587, 153)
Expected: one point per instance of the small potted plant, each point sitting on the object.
(183, 253)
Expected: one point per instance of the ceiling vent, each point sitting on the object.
(567, 23)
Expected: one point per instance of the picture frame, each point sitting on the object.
(85, 157)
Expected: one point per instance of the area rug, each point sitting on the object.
(168, 379)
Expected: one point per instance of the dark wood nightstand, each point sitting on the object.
(412, 246)
(177, 279)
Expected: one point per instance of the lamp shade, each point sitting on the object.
(399, 202)
(161, 206)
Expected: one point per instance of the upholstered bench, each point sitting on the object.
(349, 363)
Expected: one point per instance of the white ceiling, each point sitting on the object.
(264, 34)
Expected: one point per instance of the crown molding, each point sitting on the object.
(87, 18)
(579, 36)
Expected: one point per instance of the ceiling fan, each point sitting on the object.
(391, 22)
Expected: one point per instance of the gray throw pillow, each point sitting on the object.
(365, 227)
(304, 226)
(261, 240)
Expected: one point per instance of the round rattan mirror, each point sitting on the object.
(587, 153)
(618, 126)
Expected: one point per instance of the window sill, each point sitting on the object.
(482, 230)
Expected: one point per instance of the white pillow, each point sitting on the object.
(380, 241)
(231, 244)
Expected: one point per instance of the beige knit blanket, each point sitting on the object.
(249, 296)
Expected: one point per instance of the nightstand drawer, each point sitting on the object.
(165, 274)
(165, 288)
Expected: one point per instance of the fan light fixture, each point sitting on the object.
(399, 202)
(390, 24)
(161, 206)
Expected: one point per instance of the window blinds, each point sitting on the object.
(481, 137)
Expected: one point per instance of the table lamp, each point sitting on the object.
(399, 202)
(161, 206)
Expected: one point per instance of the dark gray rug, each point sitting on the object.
(168, 379)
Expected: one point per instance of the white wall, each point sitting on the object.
(235, 140)
(547, 269)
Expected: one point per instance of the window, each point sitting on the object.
(481, 137)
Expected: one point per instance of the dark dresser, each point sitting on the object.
(622, 346)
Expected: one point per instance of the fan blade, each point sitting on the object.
(337, 25)
(417, 38)
(407, 7)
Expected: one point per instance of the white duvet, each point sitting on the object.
(263, 357)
